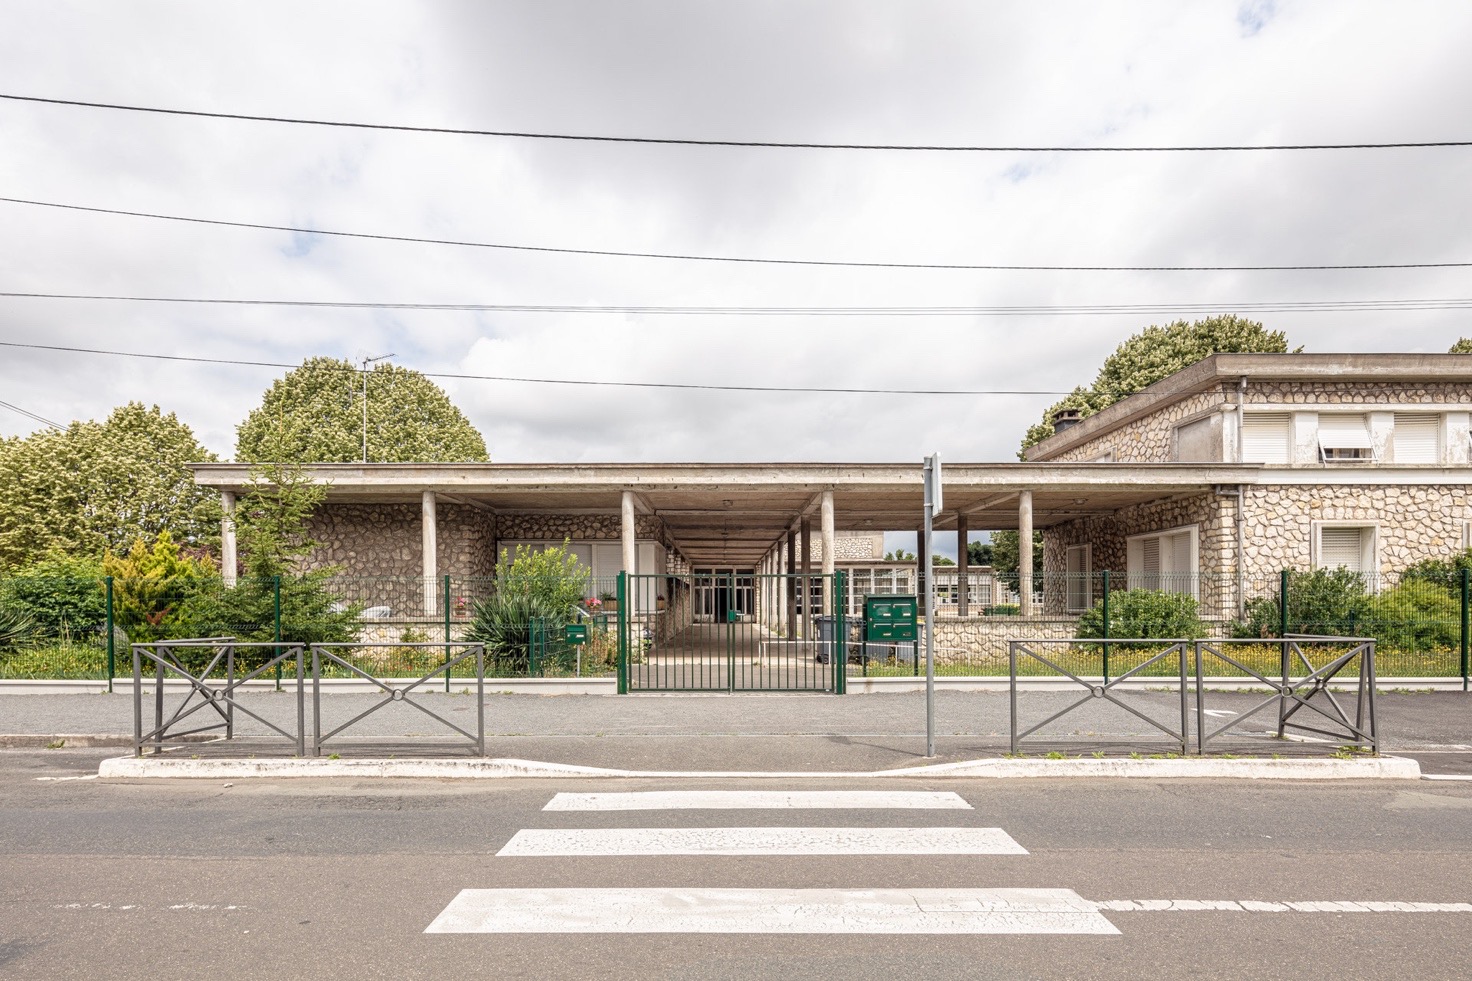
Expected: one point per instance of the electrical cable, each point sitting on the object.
(30, 415)
(763, 144)
(850, 264)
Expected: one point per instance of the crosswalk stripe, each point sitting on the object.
(789, 911)
(658, 800)
(760, 841)
(1285, 906)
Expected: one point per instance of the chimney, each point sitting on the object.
(1066, 419)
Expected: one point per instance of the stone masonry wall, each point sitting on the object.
(384, 540)
(1148, 439)
(1415, 522)
(578, 527)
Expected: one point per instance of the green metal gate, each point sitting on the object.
(732, 632)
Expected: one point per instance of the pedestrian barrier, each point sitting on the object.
(177, 659)
(332, 656)
(1174, 652)
(1300, 685)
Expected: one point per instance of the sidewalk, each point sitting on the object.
(754, 732)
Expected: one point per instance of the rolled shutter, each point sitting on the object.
(1342, 548)
(1265, 437)
(1417, 438)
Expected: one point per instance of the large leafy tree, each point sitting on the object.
(98, 486)
(1463, 346)
(1156, 352)
(315, 415)
(1142, 360)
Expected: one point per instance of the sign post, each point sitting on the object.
(932, 508)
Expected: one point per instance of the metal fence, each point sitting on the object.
(79, 628)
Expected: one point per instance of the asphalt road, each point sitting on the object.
(303, 879)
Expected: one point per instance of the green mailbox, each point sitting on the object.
(575, 633)
(891, 618)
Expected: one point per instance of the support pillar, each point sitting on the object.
(629, 538)
(806, 584)
(829, 552)
(963, 568)
(1024, 552)
(429, 546)
(228, 558)
(789, 592)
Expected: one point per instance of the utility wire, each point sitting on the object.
(671, 141)
(996, 267)
(687, 386)
(31, 415)
(1098, 309)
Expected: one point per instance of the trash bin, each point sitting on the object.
(826, 626)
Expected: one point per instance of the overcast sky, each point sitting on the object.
(1075, 74)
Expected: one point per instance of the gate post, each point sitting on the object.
(1466, 573)
(1105, 604)
(112, 650)
(840, 633)
(623, 637)
(276, 616)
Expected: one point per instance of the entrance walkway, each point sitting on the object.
(730, 657)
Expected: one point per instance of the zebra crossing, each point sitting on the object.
(818, 910)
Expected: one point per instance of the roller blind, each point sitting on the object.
(1342, 547)
(1343, 432)
(1417, 438)
(1265, 437)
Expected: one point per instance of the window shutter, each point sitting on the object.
(1078, 586)
(1180, 553)
(1265, 437)
(1344, 437)
(1342, 547)
(1417, 438)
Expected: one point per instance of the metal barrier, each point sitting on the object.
(1102, 689)
(166, 661)
(1291, 694)
(327, 653)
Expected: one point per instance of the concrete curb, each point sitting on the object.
(459, 686)
(1381, 768)
(84, 740)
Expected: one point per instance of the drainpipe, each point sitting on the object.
(1241, 555)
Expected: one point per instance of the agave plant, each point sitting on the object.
(504, 624)
(17, 630)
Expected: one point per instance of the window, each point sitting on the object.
(1265, 438)
(1344, 439)
(1105, 457)
(1416, 438)
(1349, 547)
(1078, 581)
(1165, 561)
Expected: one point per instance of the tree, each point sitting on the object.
(1157, 352)
(98, 486)
(1005, 557)
(979, 553)
(315, 415)
(899, 555)
(151, 585)
(1463, 346)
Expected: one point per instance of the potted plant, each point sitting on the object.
(609, 601)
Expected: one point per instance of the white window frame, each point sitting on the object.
(1437, 455)
(1287, 419)
(1371, 558)
(1354, 449)
(1134, 545)
(1082, 580)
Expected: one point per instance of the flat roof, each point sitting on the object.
(735, 512)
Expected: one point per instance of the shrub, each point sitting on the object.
(61, 596)
(554, 576)
(1332, 602)
(17, 631)
(151, 586)
(310, 613)
(1146, 614)
(1414, 616)
(1443, 573)
(504, 624)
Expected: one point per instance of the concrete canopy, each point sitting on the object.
(722, 514)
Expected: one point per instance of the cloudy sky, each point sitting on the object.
(903, 72)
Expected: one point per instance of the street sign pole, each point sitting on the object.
(932, 508)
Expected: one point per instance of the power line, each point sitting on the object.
(671, 141)
(1097, 309)
(994, 267)
(31, 415)
(687, 386)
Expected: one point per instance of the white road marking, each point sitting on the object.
(790, 911)
(658, 800)
(1262, 906)
(90, 776)
(761, 841)
(1219, 713)
(1446, 776)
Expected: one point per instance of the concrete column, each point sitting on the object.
(805, 585)
(1024, 551)
(829, 552)
(789, 592)
(963, 569)
(429, 532)
(228, 558)
(628, 534)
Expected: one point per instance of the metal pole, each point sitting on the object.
(1105, 604)
(276, 607)
(1466, 574)
(623, 638)
(112, 653)
(447, 637)
(932, 501)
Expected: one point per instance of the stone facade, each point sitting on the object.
(578, 527)
(384, 540)
(1150, 439)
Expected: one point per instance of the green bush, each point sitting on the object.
(61, 596)
(17, 631)
(151, 586)
(1442, 573)
(1416, 616)
(1331, 602)
(504, 624)
(553, 576)
(1144, 614)
(310, 613)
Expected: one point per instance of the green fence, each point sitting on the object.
(81, 629)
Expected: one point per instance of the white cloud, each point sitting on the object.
(1016, 73)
